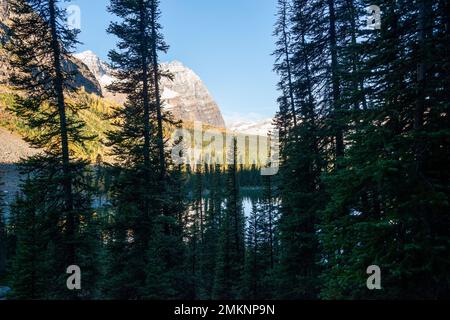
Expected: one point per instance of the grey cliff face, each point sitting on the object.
(83, 76)
(186, 96)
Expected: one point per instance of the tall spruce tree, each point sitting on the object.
(271, 211)
(253, 275)
(258, 280)
(195, 231)
(231, 251)
(145, 230)
(302, 158)
(39, 47)
(36, 237)
(282, 55)
(387, 201)
(209, 245)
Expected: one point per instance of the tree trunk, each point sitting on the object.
(335, 79)
(145, 97)
(357, 81)
(422, 25)
(59, 90)
(157, 93)
(288, 67)
(269, 195)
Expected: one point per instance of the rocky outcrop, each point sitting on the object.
(3, 10)
(83, 76)
(13, 148)
(185, 96)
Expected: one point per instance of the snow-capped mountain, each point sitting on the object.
(99, 69)
(185, 96)
(251, 127)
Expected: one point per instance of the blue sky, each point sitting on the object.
(228, 43)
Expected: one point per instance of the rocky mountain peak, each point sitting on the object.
(186, 96)
(99, 69)
(83, 76)
(257, 127)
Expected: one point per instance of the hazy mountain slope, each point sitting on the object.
(259, 128)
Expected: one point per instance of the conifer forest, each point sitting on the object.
(356, 206)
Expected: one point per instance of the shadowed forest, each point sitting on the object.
(364, 137)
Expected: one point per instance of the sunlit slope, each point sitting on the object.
(96, 116)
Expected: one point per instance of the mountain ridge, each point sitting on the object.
(251, 127)
(185, 96)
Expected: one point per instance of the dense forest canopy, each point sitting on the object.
(363, 180)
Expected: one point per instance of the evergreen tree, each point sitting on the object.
(231, 251)
(271, 231)
(167, 277)
(39, 46)
(144, 190)
(30, 280)
(195, 231)
(209, 245)
(157, 45)
(302, 159)
(251, 287)
(387, 201)
(283, 65)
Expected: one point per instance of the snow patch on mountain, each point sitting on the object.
(169, 94)
(185, 96)
(249, 124)
(100, 69)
